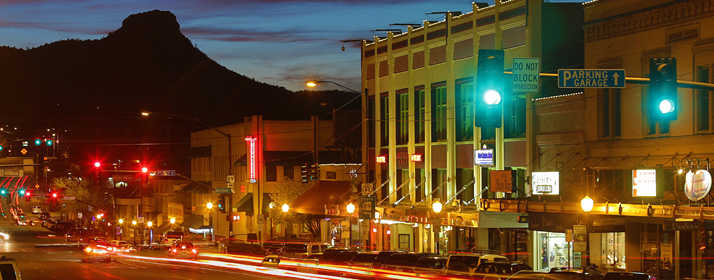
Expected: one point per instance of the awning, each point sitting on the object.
(323, 194)
(245, 204)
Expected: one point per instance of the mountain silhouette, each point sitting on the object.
(97, 87)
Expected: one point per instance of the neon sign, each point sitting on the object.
(251, 158)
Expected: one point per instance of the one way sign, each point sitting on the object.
(591, 78)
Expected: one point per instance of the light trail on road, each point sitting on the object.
(244, 267)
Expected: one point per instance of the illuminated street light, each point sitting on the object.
(121, 221)
(145, 113)
(172, 220)
(99, 216)
(680, 171)
(436, 207)
(285, 208)
(133, 222)
(350, 208)
(271, 205)
(149, 224)
(586, 204)
(144, 169)
(209, 205)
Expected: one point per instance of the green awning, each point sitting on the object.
(245, 204)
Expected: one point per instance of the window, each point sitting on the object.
(371, 117)
(370, 71)
(437, 55)
(609, 115)
(331, 175)
(487, 41)
(465, 184)
(514, 37)
(464, 49)
(438, 112)
(438, 184)
(419, 184)
(401, 64)
(464, 110)
(703, 98)
(271, 173)
(402, 116)
(419, 113)
(383, 68)
(288, 171)
(384, 119)
(514, 115)
(418, 60)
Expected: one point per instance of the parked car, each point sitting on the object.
(383, 257)
(403, 261)
(9, 269)
(304, 250)
(364, 259)
(471, 263)
(337, 256)
(432, 265)
(628, 276)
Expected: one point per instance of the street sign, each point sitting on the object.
(230, 179)
(545, 183)
(167, 173)
(366, 207)
(526, 74)
(367, 189)
(580, 238)
(483, 157)
(224, 190)
(591, 78)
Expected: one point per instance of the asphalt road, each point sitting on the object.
(65, 263)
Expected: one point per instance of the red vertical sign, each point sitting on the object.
(251, 158)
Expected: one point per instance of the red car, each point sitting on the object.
(183, 249)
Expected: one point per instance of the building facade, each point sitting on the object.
(419, 141)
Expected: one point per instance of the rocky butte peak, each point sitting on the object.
(151, 22)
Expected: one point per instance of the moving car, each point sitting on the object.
(98, 250)
(271, 261)
(628, 276)
(183, 249)
(122, 246)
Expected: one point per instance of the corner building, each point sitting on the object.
(419, 141)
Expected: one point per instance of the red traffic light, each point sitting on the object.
(28, 193)
(97, 164)
(144, 169)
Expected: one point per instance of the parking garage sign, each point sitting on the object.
(591, 78)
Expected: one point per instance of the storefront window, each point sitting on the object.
(552, 251)
(613, 250)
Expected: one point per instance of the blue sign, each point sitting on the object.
(591, 78)
(483, 157)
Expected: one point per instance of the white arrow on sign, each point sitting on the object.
(615, 76)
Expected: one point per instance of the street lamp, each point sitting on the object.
(133, 222)
(586, 204)
(149, 224)
(209, 206)
(121, 221)
(172, 220)
(285, 208)
(437, 207)
(350, 210)
(145, 114)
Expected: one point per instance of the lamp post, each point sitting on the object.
(150, 225)
(209, 206)
(121, 228)
(350, 210)
(437, 207)
(285, 208)
(133, 230)
(587, 205)
(172, 221)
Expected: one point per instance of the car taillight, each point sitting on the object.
(194, 251)
(88, 250)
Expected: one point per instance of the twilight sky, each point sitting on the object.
(282, 42)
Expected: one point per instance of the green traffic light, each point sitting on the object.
(49, 142)
(492, 97)
(38, 142)
(666, 106)
(22, 192)
(3, 191)
(1, 147)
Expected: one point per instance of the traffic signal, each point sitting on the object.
(28, 195)
(314, 172)
(38, 142)
(49, 142)
(489, 88)
(1, 147)
(54, 195)
(22, 192)
(97, 164)
(144, 169)
(222, 204)
(3, 192)
(303, 173)
(663, 88)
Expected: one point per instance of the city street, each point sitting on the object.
(66, 263)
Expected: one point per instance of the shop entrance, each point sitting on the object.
(552, 251)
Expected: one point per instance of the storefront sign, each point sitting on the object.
(545, 183)
(580, 238)
(500, 181)
(483, 157)
(644, 182)
(697, 184)
(252, 168)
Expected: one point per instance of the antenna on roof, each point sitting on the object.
(454, 13)
(352, 41)
(406, 24)
(395, 30)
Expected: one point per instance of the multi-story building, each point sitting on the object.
(267, 159)
(609, 145)
(418, 102)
